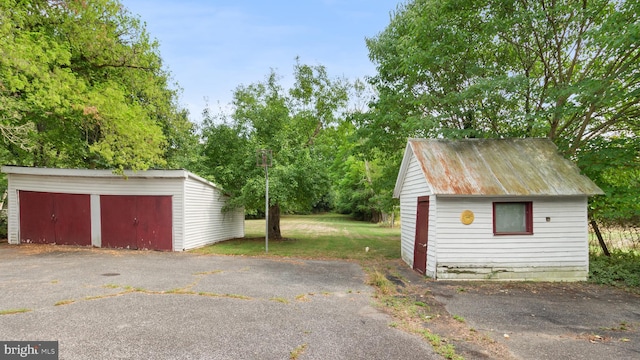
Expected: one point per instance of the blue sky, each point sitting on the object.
(213, 46)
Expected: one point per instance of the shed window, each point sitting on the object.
(512, 218)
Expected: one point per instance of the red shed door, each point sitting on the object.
(117, 219)
(136, 222)
(154, 230)
(422, 231)
(36, 217)
(48, 218)
(72, 218)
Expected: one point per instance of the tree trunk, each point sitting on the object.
(376, 216)
(4, 197)
(274, 222)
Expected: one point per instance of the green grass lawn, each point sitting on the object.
(326, 236)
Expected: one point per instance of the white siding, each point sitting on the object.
(95, 186)
(205, 220)
(557, 250)
(413, 186)
(96, 227)
(197, 216)
(432, 249)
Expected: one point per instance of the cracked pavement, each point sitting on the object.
(120, 304)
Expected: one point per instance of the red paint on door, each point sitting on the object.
(36, 212)
(72, 219)
(422, 231)
(136, 222)
(155, 222)
(117, 217)
(48, 218)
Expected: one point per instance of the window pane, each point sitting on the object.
(511, 218)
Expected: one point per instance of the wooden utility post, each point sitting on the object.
(596, 229)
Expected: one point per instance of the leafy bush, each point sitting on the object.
(622, 268)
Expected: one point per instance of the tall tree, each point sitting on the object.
(566, 70)
(613, 162)
(362, 179)
(82, 85)
(293, 125)
(563, 69)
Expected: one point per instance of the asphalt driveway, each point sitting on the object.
(530, 320)
(106, 304)
(549, 320)
(119, 304)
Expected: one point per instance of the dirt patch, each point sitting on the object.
(468, 342)
(566, 289)
(308, 228)
(319, 229)
(41, 249)
(427, 313)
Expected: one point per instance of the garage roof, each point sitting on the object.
(146, 174)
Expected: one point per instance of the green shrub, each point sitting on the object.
(622, 268)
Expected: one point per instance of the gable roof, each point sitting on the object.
(501, 167)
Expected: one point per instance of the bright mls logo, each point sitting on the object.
(41, 350)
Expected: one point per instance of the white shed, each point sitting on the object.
(493, 209)
(170, 210)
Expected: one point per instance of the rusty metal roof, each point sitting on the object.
(502, 167)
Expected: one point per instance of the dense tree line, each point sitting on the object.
(566, 70)
(82, 85)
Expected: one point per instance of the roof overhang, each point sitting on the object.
(106, 174)
(147, 174)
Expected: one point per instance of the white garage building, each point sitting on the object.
(169, 210)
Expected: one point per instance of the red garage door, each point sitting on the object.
(136, 222)
(55, 218)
